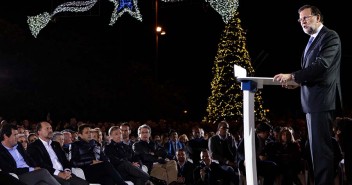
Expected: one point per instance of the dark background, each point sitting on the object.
(80, 66)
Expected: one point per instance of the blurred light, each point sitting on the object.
(185, 111)
(158, 29)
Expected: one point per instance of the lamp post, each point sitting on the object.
(156, 39)
(158, 32)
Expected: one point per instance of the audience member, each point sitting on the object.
(15, 160)
(94, 164)
(154, 157)
(119, 156)
(48, 154)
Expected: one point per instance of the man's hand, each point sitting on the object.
(64, 175)
(96, 162)
(283, 79)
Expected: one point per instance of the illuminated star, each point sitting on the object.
(123, 6)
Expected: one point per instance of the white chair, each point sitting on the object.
(80, 173)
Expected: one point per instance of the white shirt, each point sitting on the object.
(53, 157)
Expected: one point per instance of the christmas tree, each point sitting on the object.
(226, 99)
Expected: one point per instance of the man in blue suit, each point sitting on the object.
(319, 80)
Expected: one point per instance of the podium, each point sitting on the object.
(249, 85)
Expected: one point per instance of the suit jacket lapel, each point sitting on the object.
(305, 58)
(7, 155)
(45, 152)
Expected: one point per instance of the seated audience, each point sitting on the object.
(14, 159)
(93, 162)
(119, 155)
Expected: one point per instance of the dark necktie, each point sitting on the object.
(308, 45)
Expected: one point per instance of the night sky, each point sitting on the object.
(80, 66)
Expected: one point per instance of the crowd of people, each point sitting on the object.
(159, 152)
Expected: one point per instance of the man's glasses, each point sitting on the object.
(305, 18)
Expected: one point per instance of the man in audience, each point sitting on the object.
(223, 149)
(48, 154)
(15, 160)
(185, 168)
(67, 143)
(209, 172)
(94, 163)
(126, 132)
(173, 145)
(265, 168)
(58, 137)
(197, 144)
(154, 157)
(119, 155)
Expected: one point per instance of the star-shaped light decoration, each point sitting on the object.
(226, 8)
(38, 22)
(123, 6)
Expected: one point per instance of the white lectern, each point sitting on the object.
(249, 85)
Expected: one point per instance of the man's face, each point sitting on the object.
(309, 22)
(181, 156)
(116, 135)
(205, 157)
(223, 130)
(60, 139)
(144, 134)
(85, 135)
(174, 136)
(46, 132)
(12, 139)
(20, 130)
(196, 133)
(67, 138)
(125, 131)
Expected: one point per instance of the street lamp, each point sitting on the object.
(158, 32)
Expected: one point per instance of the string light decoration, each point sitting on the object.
(226, 100)
(38, 22)
(125, 6)
(226, 8)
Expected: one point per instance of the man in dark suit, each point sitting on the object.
(184, 168)
(48, 154)
(119, 155)
(92, 159)
(209, 172)
(223, 149)
(13, 159)
(319, 80)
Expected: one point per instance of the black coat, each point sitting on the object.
(8, 163)
(41, 156)
(83, 153)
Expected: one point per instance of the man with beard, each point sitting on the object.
(48, 154)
